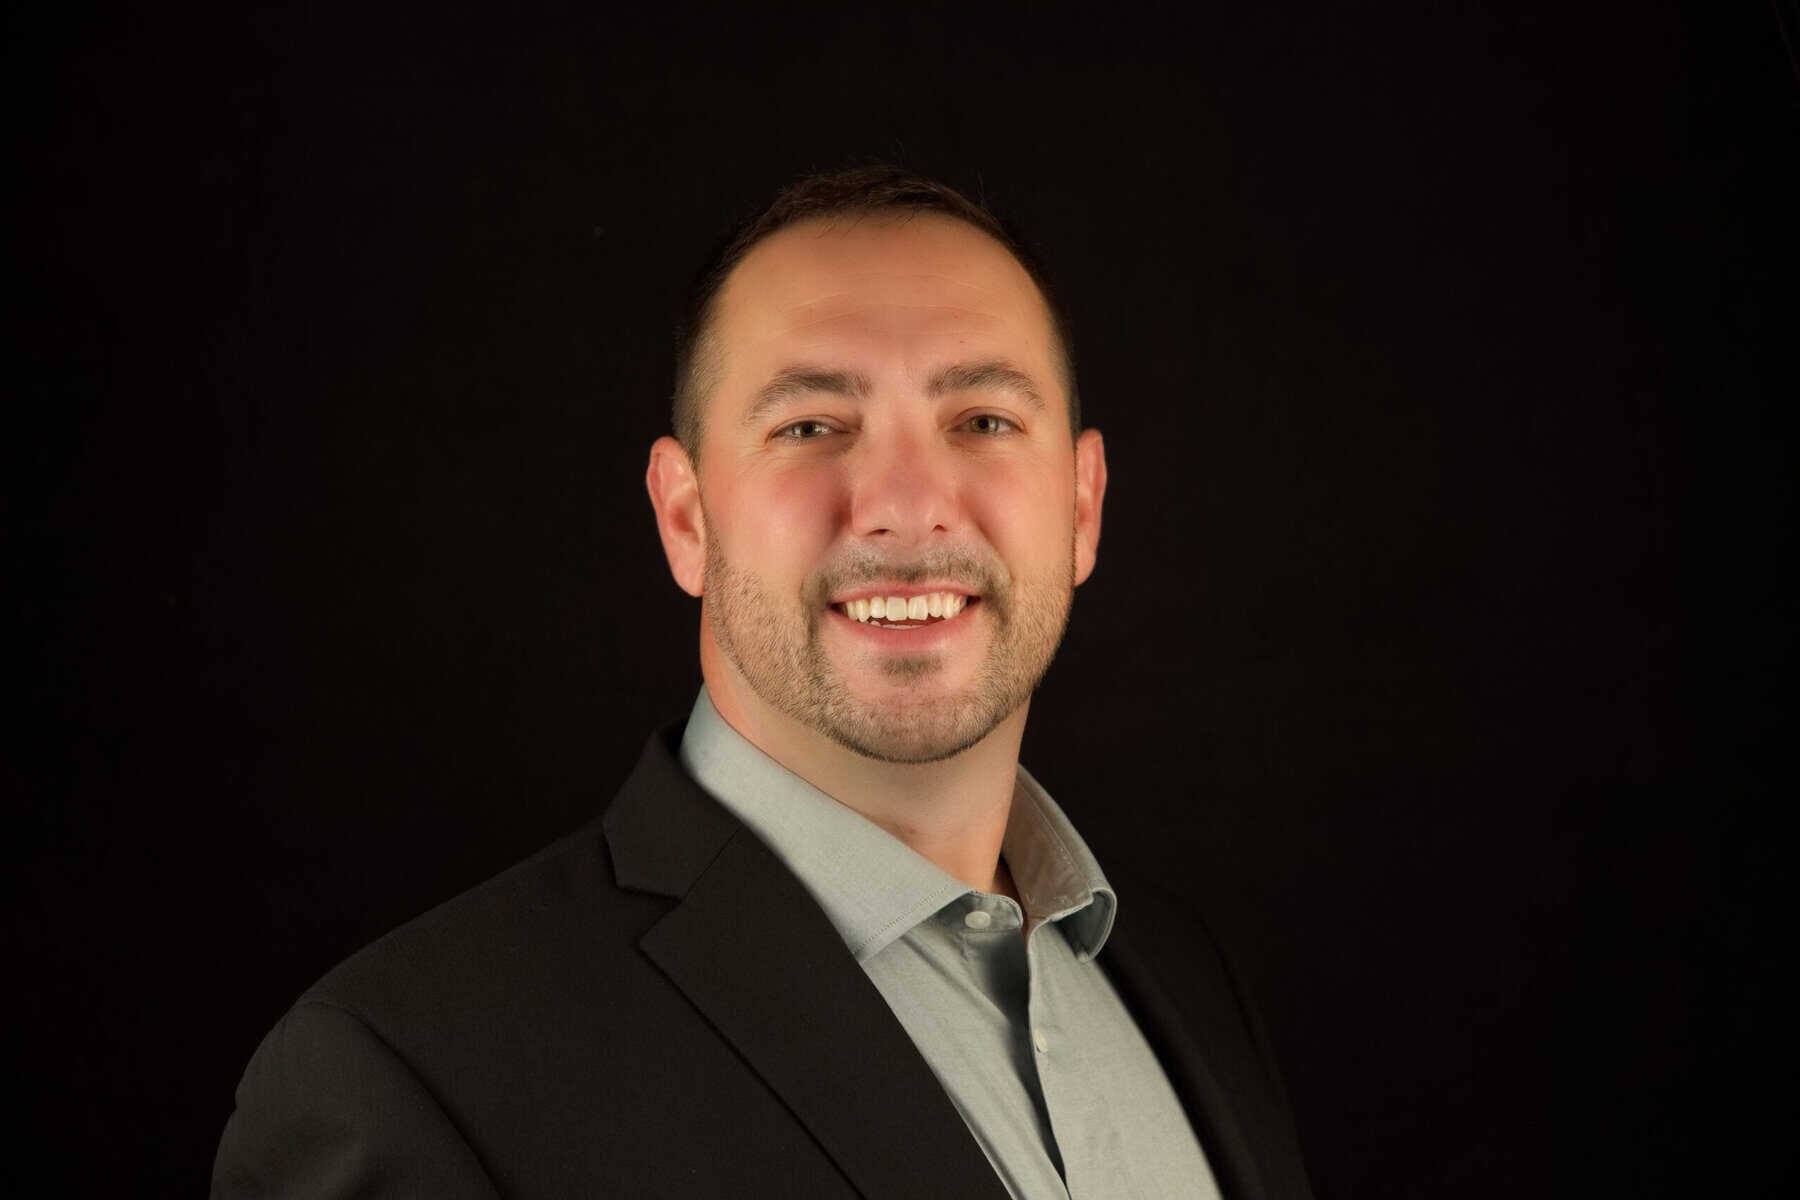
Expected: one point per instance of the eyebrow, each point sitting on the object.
(795, 382)
(988, 375)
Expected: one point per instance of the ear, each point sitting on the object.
(675, 495)
(1090, 491)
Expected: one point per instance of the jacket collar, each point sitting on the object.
(756, 955)
(752, 950)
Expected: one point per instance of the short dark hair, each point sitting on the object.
(852, 191)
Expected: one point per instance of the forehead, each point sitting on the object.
(904, 287)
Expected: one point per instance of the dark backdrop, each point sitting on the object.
(1436, 643)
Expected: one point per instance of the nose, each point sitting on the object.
(904, 492)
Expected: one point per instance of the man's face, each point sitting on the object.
(890, 422)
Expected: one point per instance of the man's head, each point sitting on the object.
(881, 407)
(880, 189)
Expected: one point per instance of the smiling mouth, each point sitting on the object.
(906, 612)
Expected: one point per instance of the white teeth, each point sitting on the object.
(943, 605)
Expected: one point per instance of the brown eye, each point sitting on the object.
(988, 423)
(802, 431)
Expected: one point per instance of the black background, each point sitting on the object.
(1437, 642)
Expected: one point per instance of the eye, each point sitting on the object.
(804, 431)
(989, 424)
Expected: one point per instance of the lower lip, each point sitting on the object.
(918, 637)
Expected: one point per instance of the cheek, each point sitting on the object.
(770, 518)
(1027, 515)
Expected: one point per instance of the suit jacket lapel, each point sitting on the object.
(753, 952)
(1211, 1107)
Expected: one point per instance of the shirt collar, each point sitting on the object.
(872, 886)
(1057, 875)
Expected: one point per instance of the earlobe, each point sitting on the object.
(675, 495)
(1090, 493)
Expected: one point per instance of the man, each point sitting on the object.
(830, 939)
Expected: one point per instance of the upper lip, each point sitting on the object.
(906, 590)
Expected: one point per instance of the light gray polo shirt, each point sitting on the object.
(1026, 1034)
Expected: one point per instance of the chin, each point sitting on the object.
(906, 746)
(899, 725)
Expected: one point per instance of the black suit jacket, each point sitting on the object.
(655, 1007)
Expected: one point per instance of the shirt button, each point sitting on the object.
(978, 918)
(1040, 1041)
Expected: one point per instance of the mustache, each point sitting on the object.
(978, 573)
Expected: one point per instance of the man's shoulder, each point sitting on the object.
(465, 937)
(555, 927)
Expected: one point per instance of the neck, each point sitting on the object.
(952, 812)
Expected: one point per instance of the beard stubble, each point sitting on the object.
(777, 644)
